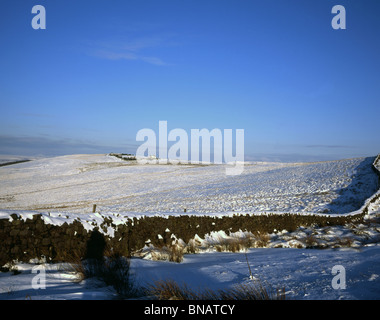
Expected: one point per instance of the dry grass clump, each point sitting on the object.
(241, 243)
(176, 253)
(231, 245)
(262, 239)
(173, 253)
(192, 247)
(171, 290)
(344, 242)
(311, 241)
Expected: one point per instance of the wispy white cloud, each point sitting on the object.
(114, 55)
(132, 49)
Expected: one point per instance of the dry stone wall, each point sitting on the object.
(34, 238)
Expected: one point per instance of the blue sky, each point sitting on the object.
(102, 70)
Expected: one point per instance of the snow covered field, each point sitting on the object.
(75, 183)
(303, 273)
(72, 184)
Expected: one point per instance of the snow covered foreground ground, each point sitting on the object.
(303, 273)
(71, 184)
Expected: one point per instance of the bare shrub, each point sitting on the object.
(74, 265)
(114, 271)
(108, 266)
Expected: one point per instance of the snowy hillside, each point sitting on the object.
(75, 183)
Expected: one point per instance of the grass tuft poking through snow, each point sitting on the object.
(255, 290)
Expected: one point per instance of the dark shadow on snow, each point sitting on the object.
(365, 182)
